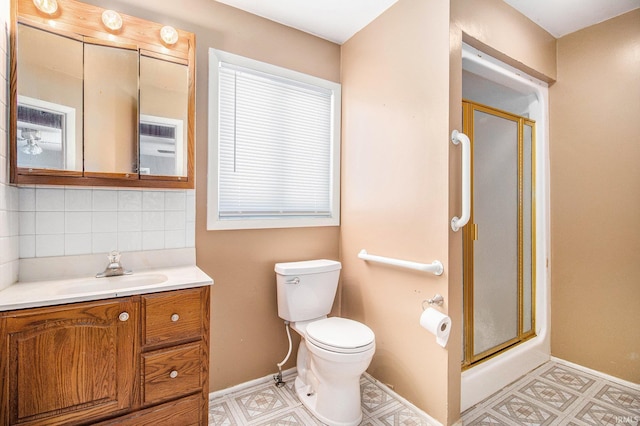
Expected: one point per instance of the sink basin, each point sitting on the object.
(109, 284)
(132, 280)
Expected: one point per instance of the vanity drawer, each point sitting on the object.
(183, 412)
(172, 316)
(172, 372)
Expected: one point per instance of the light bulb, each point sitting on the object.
(169, 34)
(32, 148)
(46, 6)
(112, 20)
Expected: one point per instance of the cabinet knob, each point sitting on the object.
(123, 316)
(175, 317)
(173, 374)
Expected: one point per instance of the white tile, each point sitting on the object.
(152, 240)
(129, 241)
(129, 221)
(15, 248)
(14, 223)
(191, 206)
(27, 246)
(104, 221)
(174, 239)
(14, 199)
(4, 170)
(105, 199)
(27, 199)
(77, 244)
(8, 274)
(4, 196)
(78, 199)
(49, 199)
(4, 146)
(174, 220)
(27, 223)
(49, 223)
(49, 245)
(129, 200)
(153, 200)
(104, 242)
(190, 235)
(5, 249)
(174, 200)
(77, 223)
(5, 230)
(153, 221)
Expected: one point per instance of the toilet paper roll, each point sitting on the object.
(437, 324)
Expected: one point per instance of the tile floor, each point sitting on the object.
(266, 404)
(552, 394)
(557, 394)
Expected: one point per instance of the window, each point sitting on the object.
(46, 134)
(274, 146)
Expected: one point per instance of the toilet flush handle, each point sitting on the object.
(295, 280)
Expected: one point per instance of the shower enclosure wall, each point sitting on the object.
(490, 82)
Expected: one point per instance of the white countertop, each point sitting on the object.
(60, 291)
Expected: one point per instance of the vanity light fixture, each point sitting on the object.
(46, 6)
(169, 35)
(111, 19)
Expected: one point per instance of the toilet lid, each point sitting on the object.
(340, 335)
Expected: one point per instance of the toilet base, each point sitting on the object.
(310, 402)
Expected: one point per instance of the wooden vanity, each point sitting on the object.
(142, 359)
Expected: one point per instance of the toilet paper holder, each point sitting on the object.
(437, 299)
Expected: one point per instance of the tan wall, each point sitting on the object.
(247, 337)
(501, 31)
(395, 157)
(595, 198)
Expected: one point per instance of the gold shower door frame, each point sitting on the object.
(470, 234)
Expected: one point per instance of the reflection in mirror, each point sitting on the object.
(46, 135)
(164, 96)
(49, 100)
(111, 109)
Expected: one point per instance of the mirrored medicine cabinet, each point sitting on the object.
(99, 98)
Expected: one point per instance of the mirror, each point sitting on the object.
(97, 106)
(111, 114)
(163, 116)
(49, 116)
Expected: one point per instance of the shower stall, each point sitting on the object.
(506, 243)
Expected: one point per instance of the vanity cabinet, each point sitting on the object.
(135, 360)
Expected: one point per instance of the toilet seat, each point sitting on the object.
(340, 335)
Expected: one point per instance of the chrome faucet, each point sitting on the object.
(114, 268)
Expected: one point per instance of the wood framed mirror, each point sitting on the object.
(94, 105)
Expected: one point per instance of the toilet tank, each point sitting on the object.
(306, 289)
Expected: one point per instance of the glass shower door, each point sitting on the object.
(498, 239)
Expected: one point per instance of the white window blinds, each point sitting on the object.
(275, 146)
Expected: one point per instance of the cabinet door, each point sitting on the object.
(69, 363)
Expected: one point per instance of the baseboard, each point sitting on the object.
(597, 373)
(246, 385)
(387, 389)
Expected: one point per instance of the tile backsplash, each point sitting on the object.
(9, 252)
(63, 221)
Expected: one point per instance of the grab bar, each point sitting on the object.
(459, 137)
(435, 267)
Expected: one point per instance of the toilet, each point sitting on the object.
(333, 352)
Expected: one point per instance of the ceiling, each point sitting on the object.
(338, 20)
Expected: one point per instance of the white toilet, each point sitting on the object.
(333, 352)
